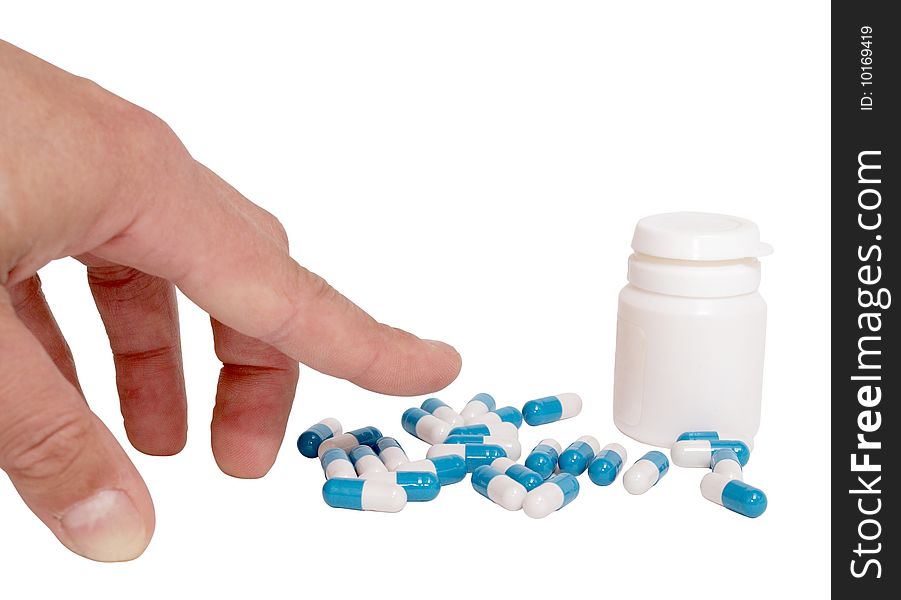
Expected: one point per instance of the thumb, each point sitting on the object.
(65, 464)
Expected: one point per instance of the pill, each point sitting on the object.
(479, 405)
(698, 435)
(390, 453)
(725, 462)
(552, 495)
(543, 457)
(504, 430)
(449, 469)
(551, 408)
(510, 445)
(309, 441)
(360, 494)
(505, 414)
(425, 426)
(578, 455)
(365, 436)
(734, 494)
(646, 472)
(420, 486)
(499, 488)
(524, 476)
(336, 463)
(697, 453)
(607, 464)
(365, 461)
(444, 412)
(474, 455)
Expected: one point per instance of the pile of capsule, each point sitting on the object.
(366, 471)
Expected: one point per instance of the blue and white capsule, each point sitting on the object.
(474, 455)
(499, 488)
(550, 496)
(420, 486)
(505, 414)
(646, 472)
(551, 409)
(543, 457)
(734, 494)
(427, 427)
(510, 445)
(725, 462)
(577, 456)
(360, 494)
(607, 464)
(336, 464)
(448, 469)
(698, 435)
(698, 453)
(365, 436)
(390, 453)
(524, 476)
(442, 411)
(309, 441)
(366, 461)
(478, 406)
(503, 430)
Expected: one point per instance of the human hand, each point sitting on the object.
(84, 173)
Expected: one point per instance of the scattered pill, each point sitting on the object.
(442, 411)
(336, 464)
(575, 459)
(697, 453)
(420, 486)
(607, 464)
(360, 494)
(505, 414)
(504, 430)
(475, 455)
(550, 496)
(365, 436)
(510, 445)
(425, 426)
(552, 408)
(479, 405)
(365, 461)
(543, 457)
(391, 453)
(524, 476)
(725, 462)
(499, 488)
(449, 469)
(309, 441)
(698, 435)
(646, 472)
(734, 494)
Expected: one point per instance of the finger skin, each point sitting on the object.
(140, 314)
(31, 307)
(64, 463)
(253, 400)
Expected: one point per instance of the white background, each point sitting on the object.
(469, 171)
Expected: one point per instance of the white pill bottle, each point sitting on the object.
(691, 329)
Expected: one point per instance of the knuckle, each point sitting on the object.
(46, 450)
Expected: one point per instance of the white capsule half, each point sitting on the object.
(645, 473)
(479, 405)
(345, 441)
(505, 492)
(726, 463)
(366, 462)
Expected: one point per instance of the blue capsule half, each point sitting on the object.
(698, 435)
(450, 469)
(510, 414)
(605, 467)
(524, 476)
(366, 436)
(543, 460)
(744, 499)
(309, 441)
(419, 486)
(577, 456)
